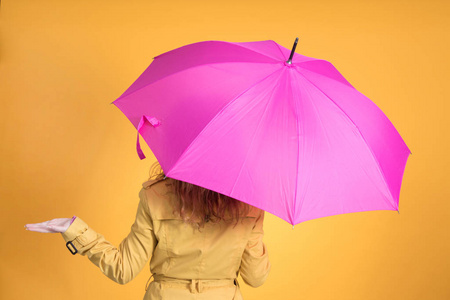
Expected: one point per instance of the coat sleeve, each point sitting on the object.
(255, 264)
(120, 264)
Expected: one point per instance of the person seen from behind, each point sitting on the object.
(197, 241)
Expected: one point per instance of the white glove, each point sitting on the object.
(52, 226)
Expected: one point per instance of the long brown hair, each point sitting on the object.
(197, 205)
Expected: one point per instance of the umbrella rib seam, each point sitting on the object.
(193, 67)
(365, 142)
(282, 54)
(298, 158)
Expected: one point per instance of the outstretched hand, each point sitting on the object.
(52, 226)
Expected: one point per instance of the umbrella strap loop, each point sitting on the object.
(154, 122)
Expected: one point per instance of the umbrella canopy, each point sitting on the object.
(293, 138)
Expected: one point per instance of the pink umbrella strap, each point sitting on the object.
(154, 122)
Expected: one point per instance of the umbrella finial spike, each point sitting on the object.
(289, 61)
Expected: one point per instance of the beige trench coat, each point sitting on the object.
(186, 263)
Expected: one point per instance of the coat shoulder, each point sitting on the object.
(160, 199)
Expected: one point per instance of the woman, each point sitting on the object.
(198, 242)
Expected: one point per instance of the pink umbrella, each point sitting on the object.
(288, 135)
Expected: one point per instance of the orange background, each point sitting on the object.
(67, 151)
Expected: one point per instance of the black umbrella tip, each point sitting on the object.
(289, 61)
